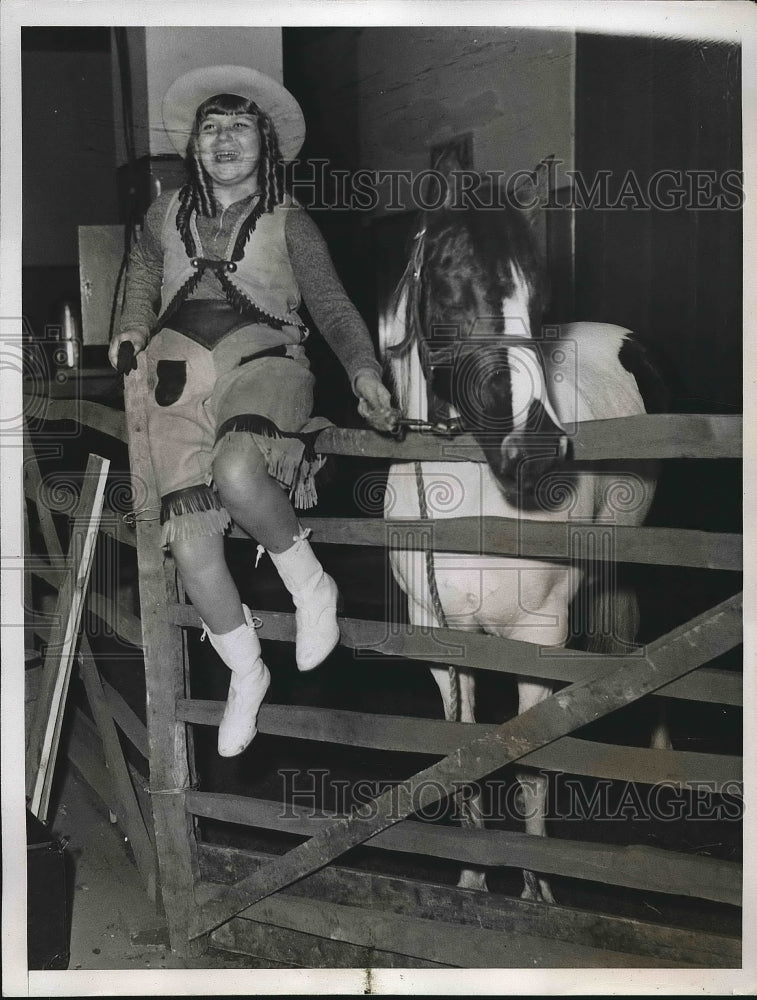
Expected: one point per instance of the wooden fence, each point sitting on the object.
(305, 909)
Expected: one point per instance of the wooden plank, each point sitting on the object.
(121, 799)
(483, 909)
(462, 946)
(127, 720)
(709, 684)
(658, 435)
(113, 525)
(488, 652)
(282, 946)
(165, 681)
(634, 866)
(95, 416)
(45, 733)
(84, 751)
(404, 734)
(676, 654)
(117, 616)
(535, 539)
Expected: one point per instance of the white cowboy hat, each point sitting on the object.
(187, 93)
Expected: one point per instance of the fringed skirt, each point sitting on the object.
(254, 390)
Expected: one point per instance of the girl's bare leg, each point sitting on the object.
(254, 500)
(259, 505)
(206, 578)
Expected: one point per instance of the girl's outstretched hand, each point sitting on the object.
(375, 405)
(134, 337)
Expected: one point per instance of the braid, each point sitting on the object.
(183, 215)
(269, 170)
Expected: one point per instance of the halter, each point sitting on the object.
(440, 422)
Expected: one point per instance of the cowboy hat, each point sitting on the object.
(187, 93)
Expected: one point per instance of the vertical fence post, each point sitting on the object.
(166, 680)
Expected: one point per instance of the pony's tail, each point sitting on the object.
(604, 615)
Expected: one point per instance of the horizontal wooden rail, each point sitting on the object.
(537, 539)
(506, 537)
(652, 435)
(488, 652)
(437, 738)
(337, 884)
(658, 435)
(428, 938)
(634, 866)
(93, 416)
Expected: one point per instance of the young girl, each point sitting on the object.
(212, 293)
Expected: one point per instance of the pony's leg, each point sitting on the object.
(620, 605)
(544, 594)
(470, 878)
(534, 789)
(660, 738)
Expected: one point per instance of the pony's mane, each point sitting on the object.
(468, 261)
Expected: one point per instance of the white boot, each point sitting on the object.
(315, 595)
(240, 651)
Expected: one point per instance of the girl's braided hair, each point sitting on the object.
(197, 193)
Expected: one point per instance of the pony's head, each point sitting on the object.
(473, 293)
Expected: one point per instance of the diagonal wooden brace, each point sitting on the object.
(48, 720)
(670, 657)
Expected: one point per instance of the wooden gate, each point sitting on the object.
(303, 908)
(237, 895)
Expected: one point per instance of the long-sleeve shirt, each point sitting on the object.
(322, 292)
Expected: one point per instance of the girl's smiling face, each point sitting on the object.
(229, 149)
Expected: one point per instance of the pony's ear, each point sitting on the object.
(531, 191)
(448, 163)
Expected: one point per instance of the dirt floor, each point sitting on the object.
(113, 923)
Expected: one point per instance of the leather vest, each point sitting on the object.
(263, 275)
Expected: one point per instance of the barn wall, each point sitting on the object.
(671, 271)
(67, 159)
(68, 148)
(422, 86)
(380, 98)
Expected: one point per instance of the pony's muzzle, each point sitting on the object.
(526, 459)
(518, 447)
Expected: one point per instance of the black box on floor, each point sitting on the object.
(46, 899)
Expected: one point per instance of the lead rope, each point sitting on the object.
(463, 805)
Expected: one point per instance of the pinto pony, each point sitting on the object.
(464, 347)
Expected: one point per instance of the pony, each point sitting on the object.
(465, 350)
